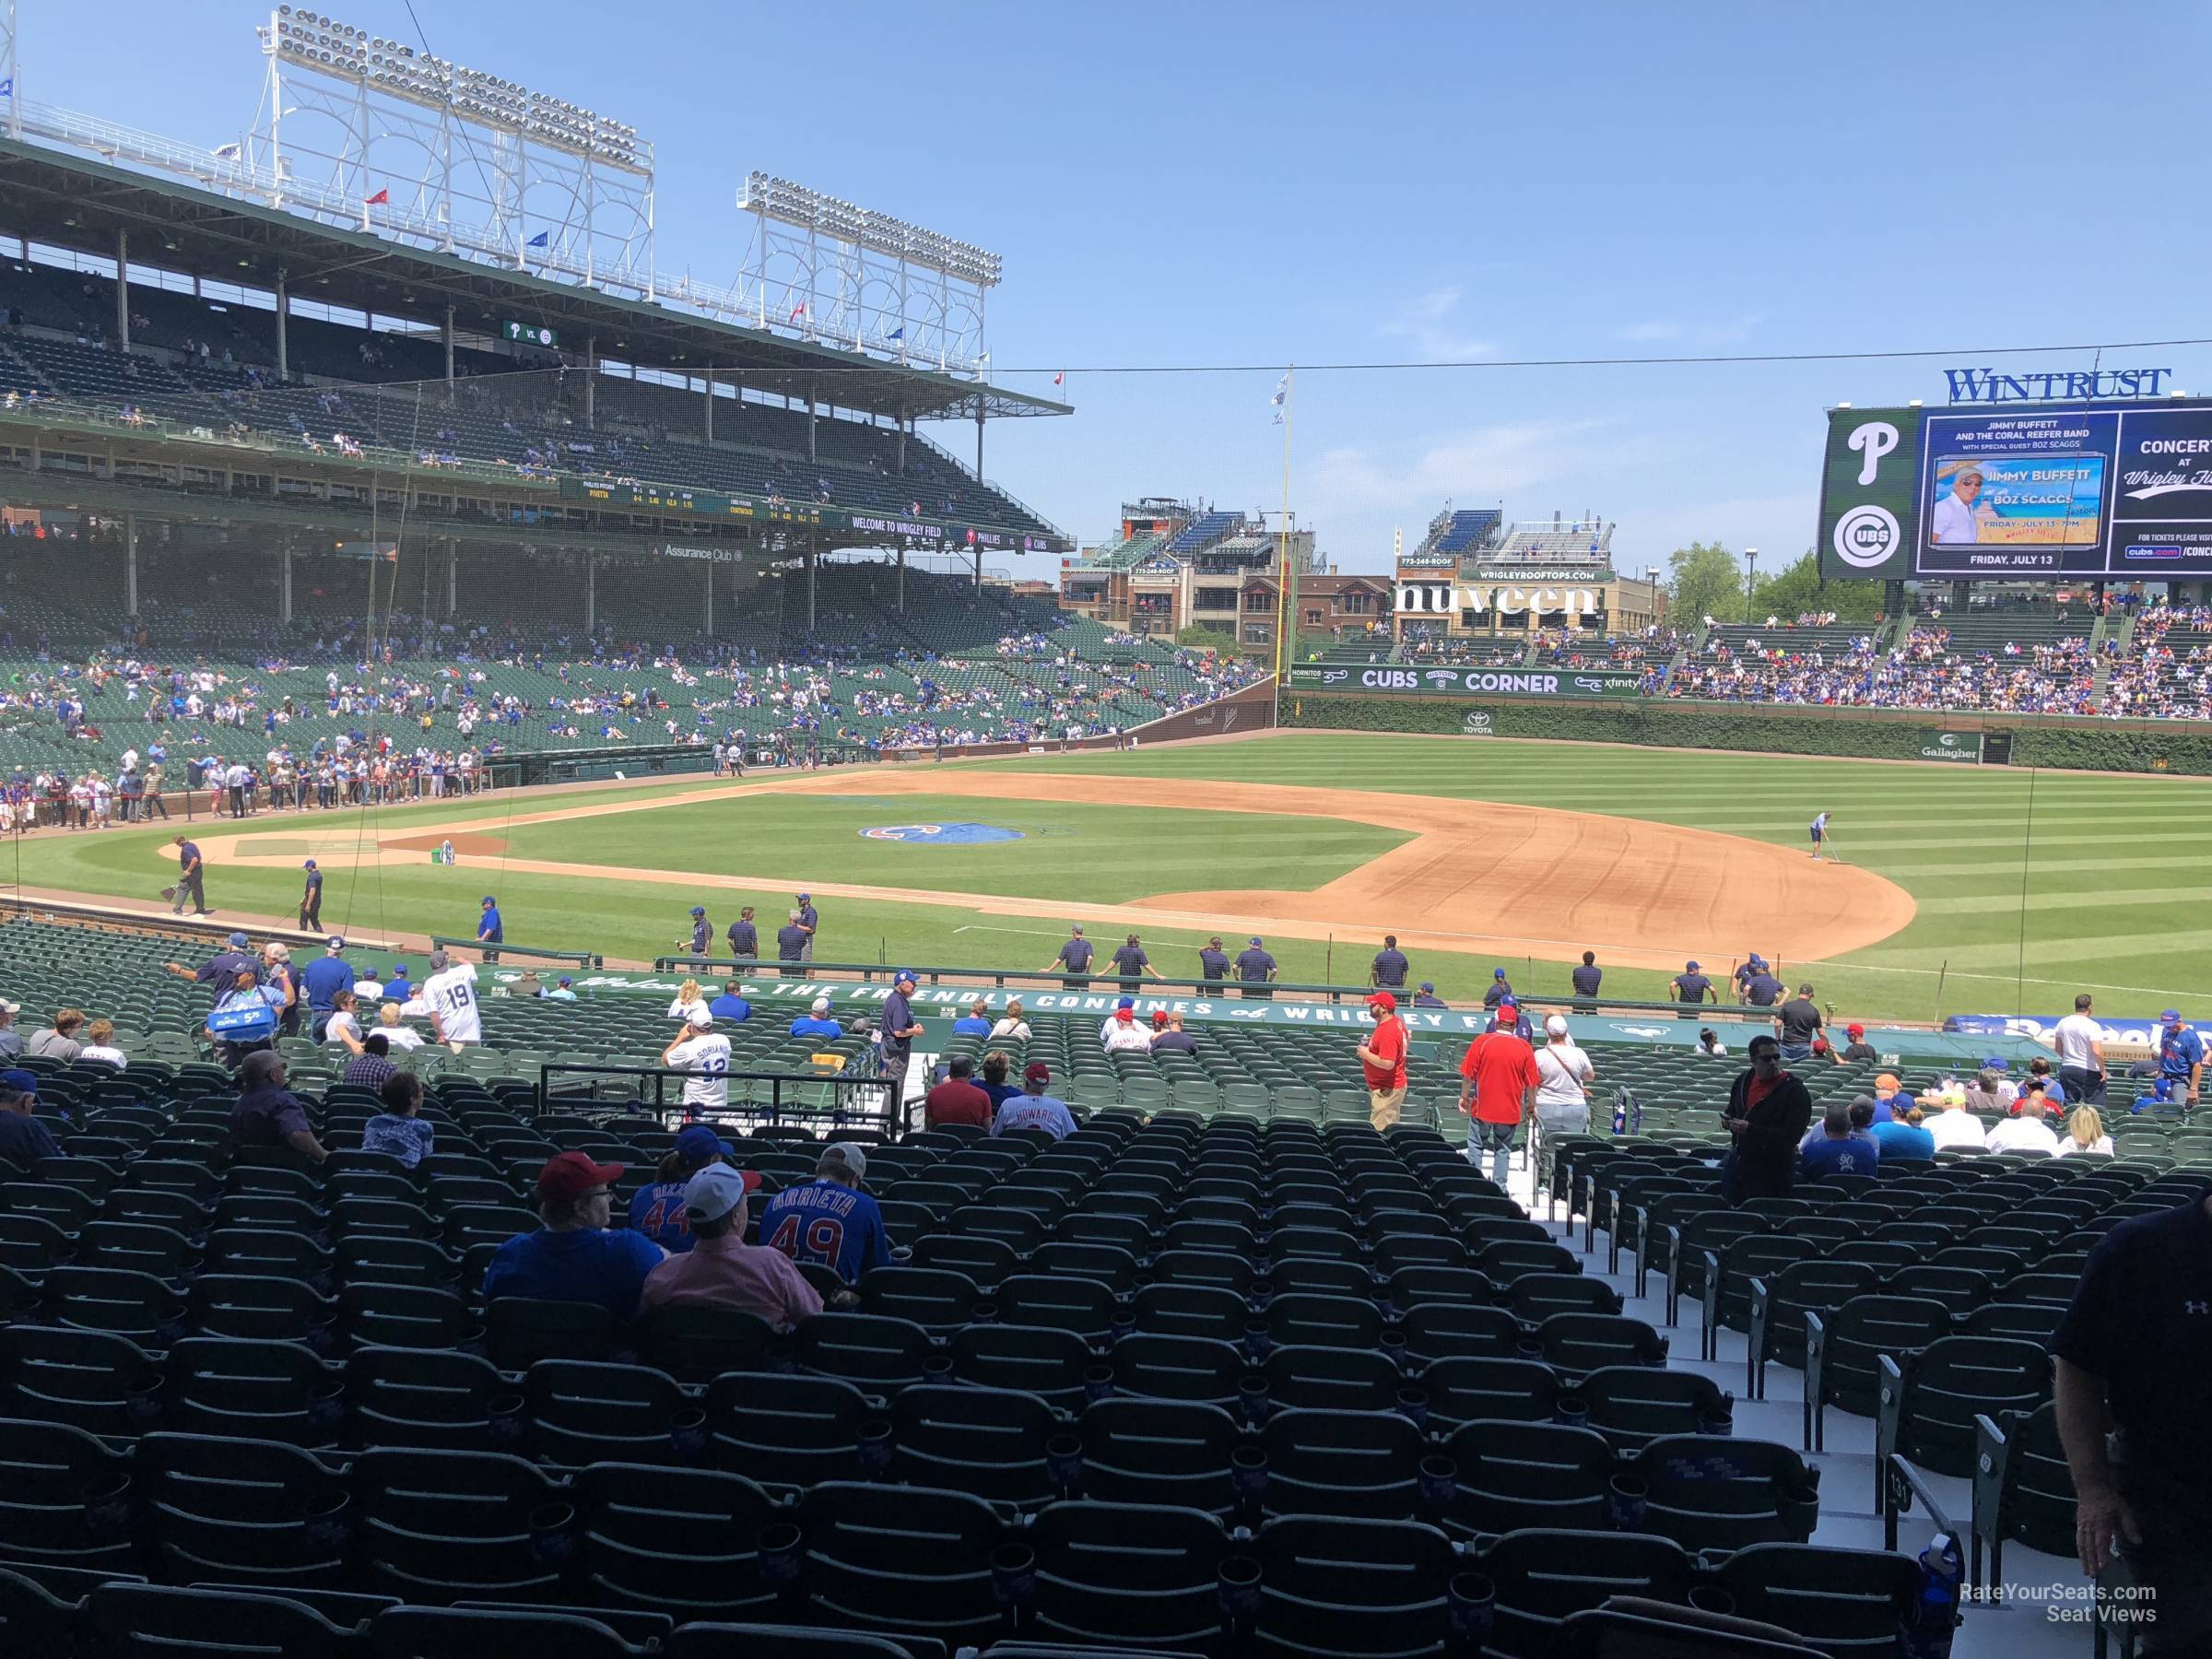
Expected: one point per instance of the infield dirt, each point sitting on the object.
(1477, 876)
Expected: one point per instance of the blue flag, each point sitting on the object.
(538, 241)
(7, 87)
(897, 334)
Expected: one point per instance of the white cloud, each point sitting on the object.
(1426, 321)
(1708, 335)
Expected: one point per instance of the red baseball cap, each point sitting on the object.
(571, 1174)
(1385, 1001)
(1855, 1029)
(1036, 1071)
(1126, 1016)
(1160, 1016)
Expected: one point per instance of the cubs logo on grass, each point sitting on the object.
(941, 835)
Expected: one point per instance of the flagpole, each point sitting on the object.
(1283, 603)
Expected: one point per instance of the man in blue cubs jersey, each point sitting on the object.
(829, 1221)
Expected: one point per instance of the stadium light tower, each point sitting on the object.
(358, 129)
(1750, 580)
(841, 273)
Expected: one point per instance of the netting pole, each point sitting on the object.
(283, 371)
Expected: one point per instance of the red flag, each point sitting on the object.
(1061, 378)
(382, 198)
(797, 311)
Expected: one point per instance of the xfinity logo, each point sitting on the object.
(1988, 386)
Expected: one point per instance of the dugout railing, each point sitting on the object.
(794, 1100)
(498, 950)
(1113, 984)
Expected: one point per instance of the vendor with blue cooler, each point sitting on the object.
(2181, 1058)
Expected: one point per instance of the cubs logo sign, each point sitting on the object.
(941, 835)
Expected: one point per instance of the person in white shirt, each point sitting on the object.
(688, 1002)
(450, 993)
(369, 988)
(706, 1052)
(1954, 523)
(342, 1025)
(2085, 1135)
(1011, 1025)
(1955, 1126)
(1123, 1034)
(2030, 1132)
(396, 1036)
(2080, 1042)
(1565, 1075)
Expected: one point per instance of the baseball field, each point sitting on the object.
(1956, 888)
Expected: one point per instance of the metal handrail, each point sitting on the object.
(582, 958)
(885, 1120)
(1109, 977)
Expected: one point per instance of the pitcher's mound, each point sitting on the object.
(476, 845)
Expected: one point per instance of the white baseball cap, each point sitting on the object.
(1555, 1025)
(715, 1191)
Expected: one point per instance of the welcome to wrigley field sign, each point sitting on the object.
(1392, 679)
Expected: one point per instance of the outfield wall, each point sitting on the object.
(2069, 743)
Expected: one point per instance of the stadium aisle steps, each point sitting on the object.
(1848, 1519)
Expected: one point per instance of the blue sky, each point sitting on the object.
(1291, 182)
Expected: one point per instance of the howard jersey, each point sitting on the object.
(828, 1225)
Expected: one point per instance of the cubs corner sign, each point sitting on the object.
(1405, 681)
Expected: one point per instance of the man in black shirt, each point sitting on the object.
(745, 938)
(1074, 957)
(1131, 962)
(191, 877)
(1762, 989)
(1692, 989)
(1390, 967)
(1213, 962)
(1499, 990)
(310, 897)
(2133, 1353)
(1767, 1113)
(790, 945)
(1797, 1023)
(1587, 978)
(267, 1114)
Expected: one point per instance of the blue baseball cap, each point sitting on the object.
(906, 976)
(489, 900)
(1689, 967)
(1256, 939)
(336, 942)
(237, 941)
(701, 1141)
(698, 910)
(309, 865)
(21, 1081)
(1126, 1002)
(1496, 974)
(2171, 1017)
(1428, 987)
(399, 966)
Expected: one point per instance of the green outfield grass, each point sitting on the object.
(1103, 855)
(2030, 887)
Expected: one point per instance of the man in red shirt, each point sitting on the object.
(1501, 1079)
(959, 1099)
(1383, 1059)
